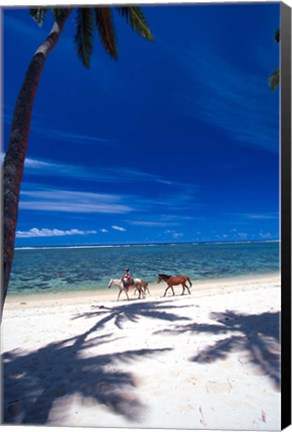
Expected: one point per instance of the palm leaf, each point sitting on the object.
(274, 79)
(38, 14)
(137, 20)
(57, 13)
(84, 34)
(106, 30)
(277, 36)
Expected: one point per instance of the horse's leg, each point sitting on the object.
(188, 289)
(166, 291)
(169, 286)
(121, 289)
(183, 287)
(139, 288)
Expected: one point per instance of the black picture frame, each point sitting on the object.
(285, 77)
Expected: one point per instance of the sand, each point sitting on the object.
(209, 360)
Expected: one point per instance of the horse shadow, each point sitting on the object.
(256, 337)
(40, 386)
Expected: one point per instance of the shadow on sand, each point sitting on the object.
(39, 386)
(256, 335)
(120, 314)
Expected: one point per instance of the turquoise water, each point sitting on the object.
(43, 270)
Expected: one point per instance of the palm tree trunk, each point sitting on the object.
(17, 147)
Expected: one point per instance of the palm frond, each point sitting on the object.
(38, 14)
(274, 79)
(137, 20)
(57, 13)
(84, 34)
(106, 30)
(277, 36)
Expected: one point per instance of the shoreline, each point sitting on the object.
(199, 287)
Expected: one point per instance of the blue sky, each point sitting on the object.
(176, 141)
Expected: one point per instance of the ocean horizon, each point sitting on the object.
(73, 268)
(105, 245)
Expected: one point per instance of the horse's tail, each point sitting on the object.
(189, 281)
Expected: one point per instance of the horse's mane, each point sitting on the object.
(164, 275)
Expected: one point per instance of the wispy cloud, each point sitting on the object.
(174, 234)
(66, 136)
(254, 216)
(266, 236)
(118, 228)
(41, 167)
(235, 100)
(261, 216)
(72, 202)
(70, 136)
(153, 224)
(173, 195)
(46, 232)
(60, 135)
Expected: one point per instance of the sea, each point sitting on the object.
(82, 268)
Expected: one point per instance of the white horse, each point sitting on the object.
(139, 284)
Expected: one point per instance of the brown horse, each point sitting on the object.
(144, 286)
(175, 280)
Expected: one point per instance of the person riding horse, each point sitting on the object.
(127, 278)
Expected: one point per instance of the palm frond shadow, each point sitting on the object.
(132, 312)
(256, 335)
(42, 384)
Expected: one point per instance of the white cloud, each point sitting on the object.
(118, 228)
(264, 216)
(46, 232)
(110, 175)
(39, 164)
(265, 236)
(72, 202)
(174, 234)
(103, 230)
(153, 223)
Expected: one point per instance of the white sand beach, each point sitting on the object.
(209, 360)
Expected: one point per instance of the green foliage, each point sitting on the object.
(57, 12)
(106, 30)
(84, 34)
(88, 17)
(277, 36)
(274, 79)
(38, 14)
(137, 20)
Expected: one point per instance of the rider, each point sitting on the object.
(127, 278)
